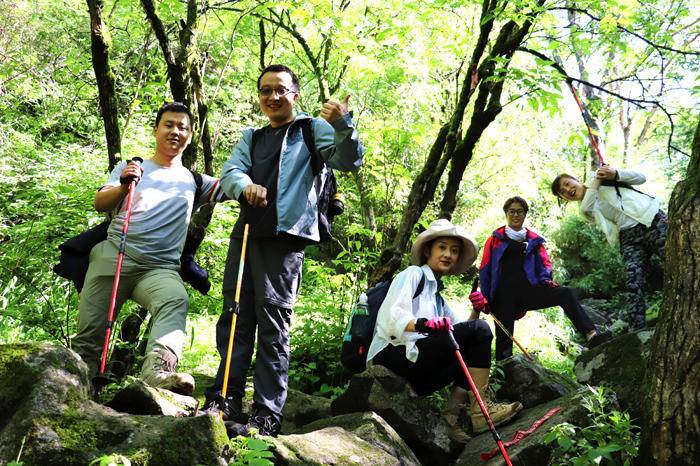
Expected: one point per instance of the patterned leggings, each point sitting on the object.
(638, 245)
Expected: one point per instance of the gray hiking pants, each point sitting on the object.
(158, 289)
(271, 279)
(638, 246)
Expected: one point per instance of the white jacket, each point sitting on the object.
(603, 206)
(399, 308)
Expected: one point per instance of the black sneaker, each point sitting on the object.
(599, 338)
(232, 408)
(264, 424)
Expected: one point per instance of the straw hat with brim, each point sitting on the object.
(441, 228)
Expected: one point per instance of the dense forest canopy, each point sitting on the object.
(433, 84)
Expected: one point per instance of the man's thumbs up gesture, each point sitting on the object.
(332, 109)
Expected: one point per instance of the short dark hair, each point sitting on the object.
(277, 68)
(176, 107)
(556, 184)
(513, 199)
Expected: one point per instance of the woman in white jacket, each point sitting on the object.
(411, 335)
(628, 217)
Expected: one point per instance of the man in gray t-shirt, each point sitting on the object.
(162, 205)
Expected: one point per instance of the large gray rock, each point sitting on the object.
(531, 383)
(413, 417)
(301, 409)
(44, 402)
(350, 439)
(531, 451)
(621, 365)
(140, 398)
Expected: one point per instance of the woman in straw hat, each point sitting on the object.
(410, 337)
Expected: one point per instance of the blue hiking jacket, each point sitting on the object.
(297, 211)
(536, 264)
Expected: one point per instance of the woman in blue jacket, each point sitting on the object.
(516, 277)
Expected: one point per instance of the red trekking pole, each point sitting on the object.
(586, 119)
(120, 258)
(472, 385)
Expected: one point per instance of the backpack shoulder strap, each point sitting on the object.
(621, 184)
(421, 285)
(198, 181)
(307, 132)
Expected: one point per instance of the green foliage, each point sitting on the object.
(250, 451)
(611, 439)
(586, 260)
(404, 63)
(111, 460)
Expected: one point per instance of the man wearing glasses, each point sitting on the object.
(270, 173)
(516, 277)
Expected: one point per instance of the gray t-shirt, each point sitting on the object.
(161, 210)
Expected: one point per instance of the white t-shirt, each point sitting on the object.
(161, 209)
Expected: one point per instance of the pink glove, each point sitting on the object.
(479, 302)
(434, 325)
(551, 283)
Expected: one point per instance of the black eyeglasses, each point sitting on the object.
(279, 91)
(519, 212)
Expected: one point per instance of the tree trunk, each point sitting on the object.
(672, 415)
(100, 45)
(449, 146)
(179, 64)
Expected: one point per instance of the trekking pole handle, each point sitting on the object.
(454, 343)
(137, 160)
(475, 285)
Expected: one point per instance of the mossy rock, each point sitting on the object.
(352, 439)
(620, 364)
(47, 411)
(531, 451)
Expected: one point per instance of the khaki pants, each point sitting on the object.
(160, 290)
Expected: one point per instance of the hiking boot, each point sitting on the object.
(599, 338)
(230, 409)
(455, 405)
(264, 424)
(500, 413)
(159, 371)
(455, 432)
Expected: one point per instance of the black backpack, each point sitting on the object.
(75, 254)
(360, 329)
(329, 202)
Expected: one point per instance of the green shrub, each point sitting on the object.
(586, 260)
(611, 439)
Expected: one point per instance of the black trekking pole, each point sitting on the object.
(235, 310)
(475, 391)
(120, 259)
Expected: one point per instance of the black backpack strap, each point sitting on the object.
(621, 184)
(307, 132)
(198, 182)
(421, 285)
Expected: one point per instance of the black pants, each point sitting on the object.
(271, 279)
(437, 365)
(511, 301)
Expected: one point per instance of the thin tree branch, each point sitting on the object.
(658, 47)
